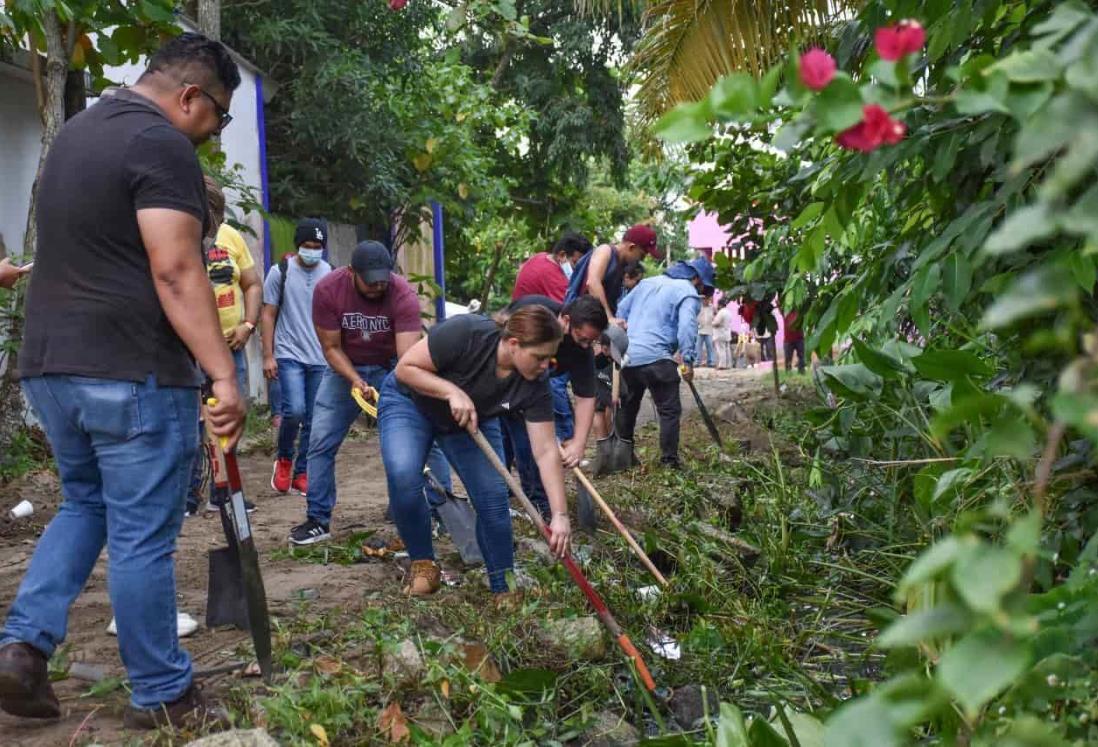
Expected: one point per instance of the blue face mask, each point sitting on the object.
(566, 268)
(310, 257)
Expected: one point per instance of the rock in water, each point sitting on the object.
(236, 738)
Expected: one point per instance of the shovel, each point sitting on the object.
(458, 517)
(603, 612)
(235, 581)
(613, 454)
(709, 424)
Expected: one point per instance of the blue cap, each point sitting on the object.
(704, 268)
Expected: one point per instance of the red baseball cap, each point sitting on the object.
(645, 237)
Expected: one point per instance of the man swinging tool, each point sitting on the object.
(366, 317)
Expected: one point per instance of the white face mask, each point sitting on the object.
(310, 257)
(566, 268)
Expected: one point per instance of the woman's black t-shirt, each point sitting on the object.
(463, 350)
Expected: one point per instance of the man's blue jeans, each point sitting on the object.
(299, 384)
(333, 414)
(124, 454)
(517, 446)
(706, 342)
(563, 418)
(406, 437)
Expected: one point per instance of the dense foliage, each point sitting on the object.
(943, 240)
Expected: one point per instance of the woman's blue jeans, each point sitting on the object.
(406, 438)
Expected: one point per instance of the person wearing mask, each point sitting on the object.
(547, 274)
(118, 312)
(705, 334)
(722, 334)
(662, 318)
(291, 350)
(600, 272)
(10, 273)
(366, 317)
(466, 374)
(583, 322)
(793, 342)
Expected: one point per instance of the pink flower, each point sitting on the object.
(397, 4)
(896, 42)
(877, 128)
(817, 68)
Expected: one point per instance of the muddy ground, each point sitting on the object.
(94, 718)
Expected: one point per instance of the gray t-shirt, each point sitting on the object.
(295, 337)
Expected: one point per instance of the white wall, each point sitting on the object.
(20, 143)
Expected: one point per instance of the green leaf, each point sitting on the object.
(809, 730)
(956, 279)
(1079, 411)
(925, 626)
(791, 133)
(1036, 292)
(1011, 436)
(1065, 18)
(925, 284)
(731, 731)
(924, 483)
(528, 682)
(980, 666)
(762, 734)
(1021, 228)
(950, 482)
(1024, 535)
(992, 98)
(734, 97)
(686, 123)
(809, 214)
(1029, 66)
(932, 563)
(854, 382)
(984, 574)
(863, 722)
(838, 106)
(877, 361)
(950, 365)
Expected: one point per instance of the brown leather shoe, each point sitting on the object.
(25, 688)
(426, 578)
(190, 710)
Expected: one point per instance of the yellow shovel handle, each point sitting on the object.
(364, 401)
(222, 440)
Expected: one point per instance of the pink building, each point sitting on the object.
(707, 236)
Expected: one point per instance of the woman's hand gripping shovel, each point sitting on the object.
(457, 515)
(236, 595)
(593, 597)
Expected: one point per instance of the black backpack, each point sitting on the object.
(283, 270)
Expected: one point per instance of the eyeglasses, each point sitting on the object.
(223, 116)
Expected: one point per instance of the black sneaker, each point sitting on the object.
(213, 508)
(309, 533)
(191, 510)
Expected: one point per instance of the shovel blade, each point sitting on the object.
(461, 522)
(586, 514)
(225, 600)
(613, 454)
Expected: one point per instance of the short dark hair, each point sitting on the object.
(572, 243)
(633, 269)
(190, 50)
(586, 310)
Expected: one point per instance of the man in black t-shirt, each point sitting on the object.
(583, 320)
(118, 309)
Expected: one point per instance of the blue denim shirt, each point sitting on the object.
(663, 318)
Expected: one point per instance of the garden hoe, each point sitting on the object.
(456, 514)
(593, 597)
(236, 595)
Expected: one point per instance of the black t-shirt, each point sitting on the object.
(92, 308)
(464, 351)
(571, 358)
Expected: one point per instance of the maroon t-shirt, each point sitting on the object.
(367, 328)
(540, 276)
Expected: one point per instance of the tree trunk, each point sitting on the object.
(209, 18)
(491, 275)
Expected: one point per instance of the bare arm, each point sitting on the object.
(417, 371)
(172, 239)
(543, 442)
(268, 317)
(572, 450)
(600, 260)
(252, 287)
(331, 343)
(405, 341)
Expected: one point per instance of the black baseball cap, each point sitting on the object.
(372, 262)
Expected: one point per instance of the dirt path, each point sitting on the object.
(362, 501)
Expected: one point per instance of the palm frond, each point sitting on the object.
(689, 44)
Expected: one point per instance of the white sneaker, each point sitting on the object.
(184, 625)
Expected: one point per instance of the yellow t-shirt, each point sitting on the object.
(224, 262)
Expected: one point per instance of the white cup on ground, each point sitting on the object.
(22, 510)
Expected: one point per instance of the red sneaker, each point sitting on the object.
(280, 478)
(301, 483)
